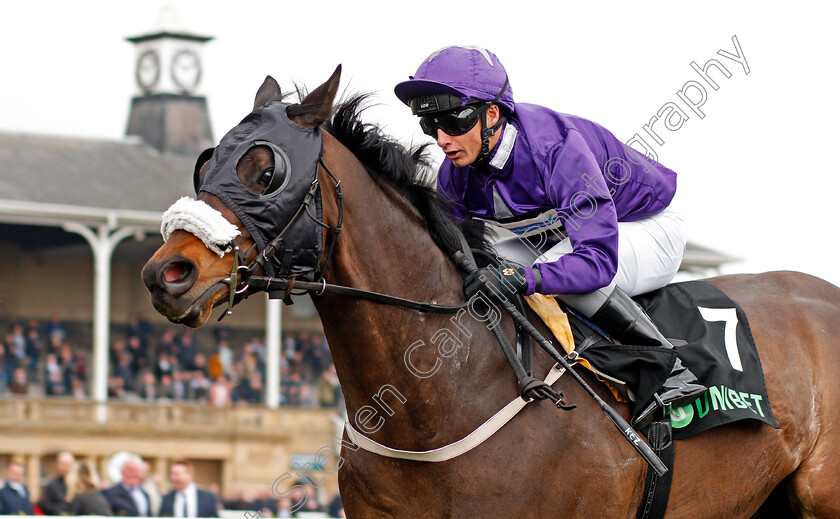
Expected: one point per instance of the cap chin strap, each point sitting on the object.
(486, 132)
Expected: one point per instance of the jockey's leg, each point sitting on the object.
(625, 320)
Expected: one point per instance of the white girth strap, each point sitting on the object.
(465, 444)
(201, 220)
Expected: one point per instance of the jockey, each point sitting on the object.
(587, 216)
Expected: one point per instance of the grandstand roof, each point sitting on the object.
(51, 180)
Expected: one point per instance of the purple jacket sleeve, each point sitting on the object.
(447, 191)
(576, 187)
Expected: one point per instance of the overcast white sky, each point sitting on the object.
(758, 177)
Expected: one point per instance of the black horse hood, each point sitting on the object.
(297, 150)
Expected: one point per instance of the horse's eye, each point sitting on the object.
(264, 182)
(274, 178)
(265, 178)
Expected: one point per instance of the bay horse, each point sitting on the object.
(544, 463)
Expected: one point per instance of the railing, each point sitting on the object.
(223, 514)
(56, 412)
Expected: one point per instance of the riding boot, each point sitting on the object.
(629, 324)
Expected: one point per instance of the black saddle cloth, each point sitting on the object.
(720, 350)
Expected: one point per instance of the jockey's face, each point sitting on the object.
(463, 149)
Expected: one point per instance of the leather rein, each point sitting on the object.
(243, 282)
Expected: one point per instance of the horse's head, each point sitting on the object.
(257, 202)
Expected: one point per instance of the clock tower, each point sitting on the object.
(169, 110)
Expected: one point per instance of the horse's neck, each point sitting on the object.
(383, 354)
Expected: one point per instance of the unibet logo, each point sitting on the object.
(682, 416)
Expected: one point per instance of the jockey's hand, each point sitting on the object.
(504, 281)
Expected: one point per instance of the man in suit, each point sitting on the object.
(126, 497)
(186, 499)
(53, 500)
(14, 498)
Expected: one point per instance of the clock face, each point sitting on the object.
(148, 70)
(186, 69)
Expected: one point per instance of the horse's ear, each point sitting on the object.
(269, 91)
(319, 103)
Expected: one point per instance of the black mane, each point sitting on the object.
(408, 170)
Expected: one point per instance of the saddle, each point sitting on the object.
(725, 360)
(548, 309)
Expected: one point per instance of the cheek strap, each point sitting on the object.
(201, 220)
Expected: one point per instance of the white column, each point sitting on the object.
(273, 347)
(103, 242)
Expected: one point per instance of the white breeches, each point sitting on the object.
(650, 251)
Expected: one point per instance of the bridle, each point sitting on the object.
(243, 281)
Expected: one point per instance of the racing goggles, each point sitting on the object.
(453, 122)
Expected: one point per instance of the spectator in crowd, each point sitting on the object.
(117, 350)
(53, 345)
(151, 486)
(335, 508)
(34, 348)
(116, 387)
(313, 501)
(54, 495)
(249, 360)
(125, 371)
(168, 344)
(220, 392)
(80, 365)
(11, 360)
(257, 347)
(328, 387)
(319, 353)
(165, 390)
(19, 385)
(179, 386)
(289, 346)
(264, 502)
(200, 364)
(4, 373)
(214, 367)
(14, 497)
(225, 356)
(79, 392)
(284, 507)
(148, 387)
(165, 365)
(55, 330)
(237, 500)
(17, 340)
(186, 353)
(126, 497)
(139, 356)
(139, 327)
(293, 388)
(83, 494)
(51, 364)
(199, 386)
(251, 389)
(65, 358)
(186, 499)
(54, 385)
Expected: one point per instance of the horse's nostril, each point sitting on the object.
(174, 276)
(176, 272)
